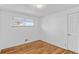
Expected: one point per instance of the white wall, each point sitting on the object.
(11, 36)
(54, 27)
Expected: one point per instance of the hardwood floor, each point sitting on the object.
(36, 47)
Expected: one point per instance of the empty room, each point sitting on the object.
(39, 28)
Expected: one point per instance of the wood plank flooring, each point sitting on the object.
(36, 47)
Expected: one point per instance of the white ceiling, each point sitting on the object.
(39, 12)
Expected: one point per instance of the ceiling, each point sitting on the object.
(32, 10)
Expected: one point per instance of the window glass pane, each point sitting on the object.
(26, 22)
(18, 21)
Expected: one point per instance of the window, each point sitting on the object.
(26, 22)
(18, 21)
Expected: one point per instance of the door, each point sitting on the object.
(73, 32)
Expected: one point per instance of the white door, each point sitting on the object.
(73, 32)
